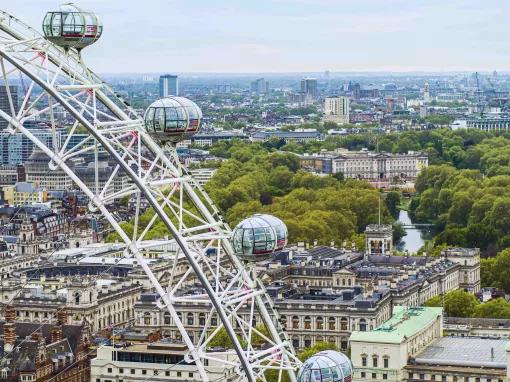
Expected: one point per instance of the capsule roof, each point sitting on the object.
(72, 27)
(172, 119)
(328, 365)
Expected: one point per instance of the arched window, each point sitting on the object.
(331, 323)
(349, 282)
(308, 342)
(214, 321)
(166, 318)
(343, 323)
(201, 319)
(319, 323)
(295, 322)
(190, 319)
(283, 321)
(77, 298)
(362, 325)
(146, 318)
(308, 323)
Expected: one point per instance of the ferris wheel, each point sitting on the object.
(143, 148)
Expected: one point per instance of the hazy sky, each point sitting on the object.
(292, 35)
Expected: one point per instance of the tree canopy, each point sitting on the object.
(324, 209)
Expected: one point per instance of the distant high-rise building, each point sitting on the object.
(426, 93)
(5, 104)
(336, 109)
(259, 86)
(356, 91)
(168, 85)
(309, 87)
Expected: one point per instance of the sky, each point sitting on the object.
(282, 36)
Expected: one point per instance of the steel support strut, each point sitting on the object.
(151, 200)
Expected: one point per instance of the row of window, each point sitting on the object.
(375, 361)
(455, 378)
(374, 375)
(144, 372)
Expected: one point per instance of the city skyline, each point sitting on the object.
(294, 36)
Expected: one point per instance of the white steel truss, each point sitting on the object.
(55, 82)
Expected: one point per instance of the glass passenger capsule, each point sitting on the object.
(172, 119)
(326, 366)
(259, 237)
(70, 27)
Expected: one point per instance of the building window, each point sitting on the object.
(362, 325)
(364, 360)
(144, 372)
(167, 373)
(166, 318)
(386, 362)
(363, 374)
(201, 319)
(190, 319)
(374, 361)
(308, 322)
(385, 376)
(374, 376)
(110, 370)
(121, 371)
(155, 372)
(343, 323)
(132, 371)
(179, 374)
(190, 375)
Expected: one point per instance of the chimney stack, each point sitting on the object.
(62, 317)
(9, 328)
(56, 331)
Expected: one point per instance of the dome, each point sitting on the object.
(71, 27)
(326, 366)
(258, 237)
(172, 119)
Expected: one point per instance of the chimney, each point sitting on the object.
(9, 329)
(62, 317)
(56, 331)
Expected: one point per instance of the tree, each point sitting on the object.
(318, 347)
(496, 308)
(457, 303)
(393, 202)
(499, 271)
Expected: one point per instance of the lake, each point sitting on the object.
(415, 237)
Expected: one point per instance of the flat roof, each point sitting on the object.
(404, 323)
(465, 351)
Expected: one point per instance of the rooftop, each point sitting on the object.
(465, 351)
(403, 324)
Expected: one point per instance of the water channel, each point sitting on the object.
(415, 236)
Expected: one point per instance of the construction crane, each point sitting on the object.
(481, 105)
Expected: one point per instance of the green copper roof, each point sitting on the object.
(404, 323)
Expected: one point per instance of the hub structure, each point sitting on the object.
(56, 80)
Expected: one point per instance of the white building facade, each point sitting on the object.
(336, 109)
